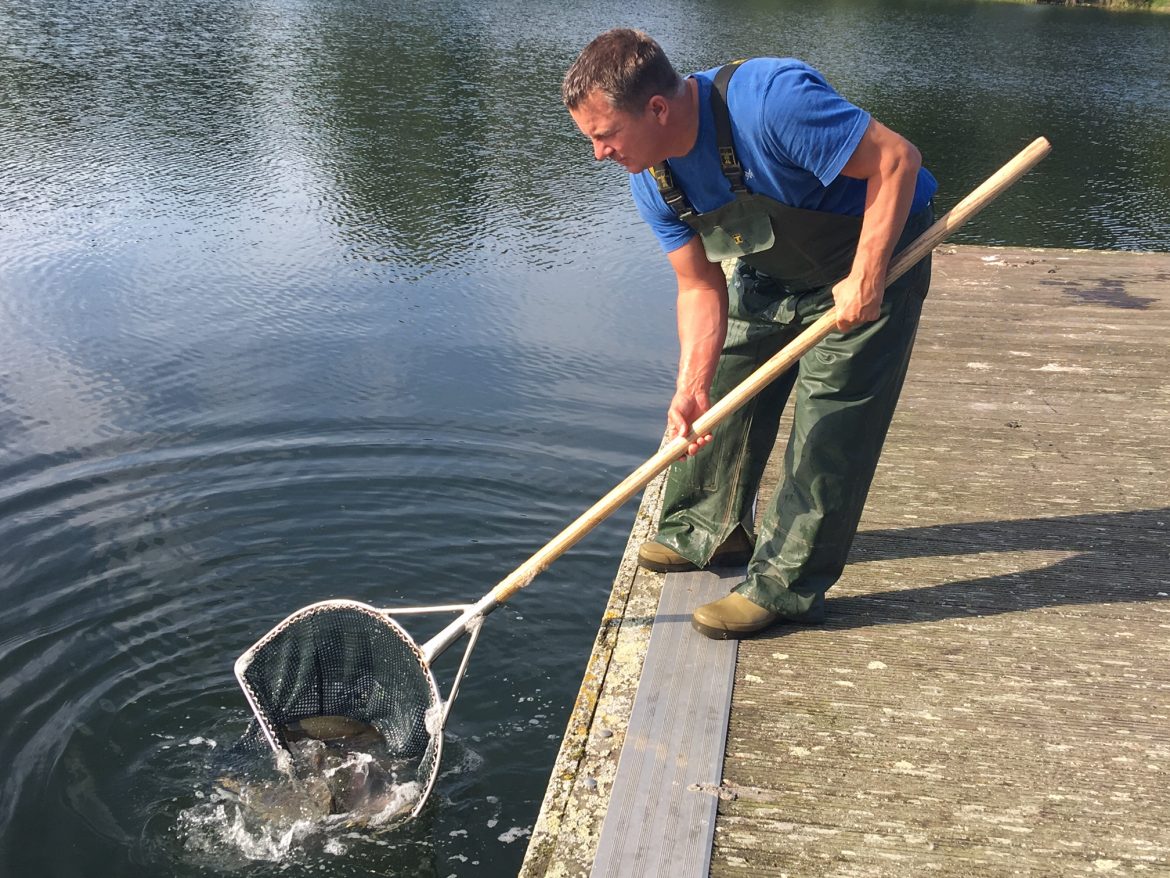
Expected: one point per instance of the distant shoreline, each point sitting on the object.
(1110, 5)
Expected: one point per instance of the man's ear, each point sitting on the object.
(659, 109)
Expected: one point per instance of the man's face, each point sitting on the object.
(630, 139)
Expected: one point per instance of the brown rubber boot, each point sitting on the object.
(731, 618)
(735, 552)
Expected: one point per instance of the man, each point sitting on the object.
(763, 161)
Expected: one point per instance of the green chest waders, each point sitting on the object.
(845, 389)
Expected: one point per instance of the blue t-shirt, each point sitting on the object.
(793, 134)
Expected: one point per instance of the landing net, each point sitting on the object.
(344, 659)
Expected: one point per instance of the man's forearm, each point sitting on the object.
(702, 327)
(889, 165)
(889, 194)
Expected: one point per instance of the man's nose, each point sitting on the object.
(600, 150)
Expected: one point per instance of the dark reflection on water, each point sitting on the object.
(303, 299)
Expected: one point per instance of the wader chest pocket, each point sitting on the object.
(738, 229)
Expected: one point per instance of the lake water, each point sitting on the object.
(326, 298)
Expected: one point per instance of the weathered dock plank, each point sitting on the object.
(658, 821)
(991, 693)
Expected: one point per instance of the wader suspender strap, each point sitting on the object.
(728, 163)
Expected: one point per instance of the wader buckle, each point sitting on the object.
(674, 197)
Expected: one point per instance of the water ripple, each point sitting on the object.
(305, 299)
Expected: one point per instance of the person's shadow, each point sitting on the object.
(1116, 557)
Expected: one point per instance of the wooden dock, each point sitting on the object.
(991, 694)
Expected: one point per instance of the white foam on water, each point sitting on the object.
(402, 799)
(433, 719)
(515, 833)
(222, 827)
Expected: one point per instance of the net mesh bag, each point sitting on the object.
(344, 658)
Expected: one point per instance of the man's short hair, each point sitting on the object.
(627, 66)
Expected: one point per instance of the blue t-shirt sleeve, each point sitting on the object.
(807, 124)
(670, 231)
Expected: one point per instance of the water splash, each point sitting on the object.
(249, 818)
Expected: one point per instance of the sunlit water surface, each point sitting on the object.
(307, 298)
